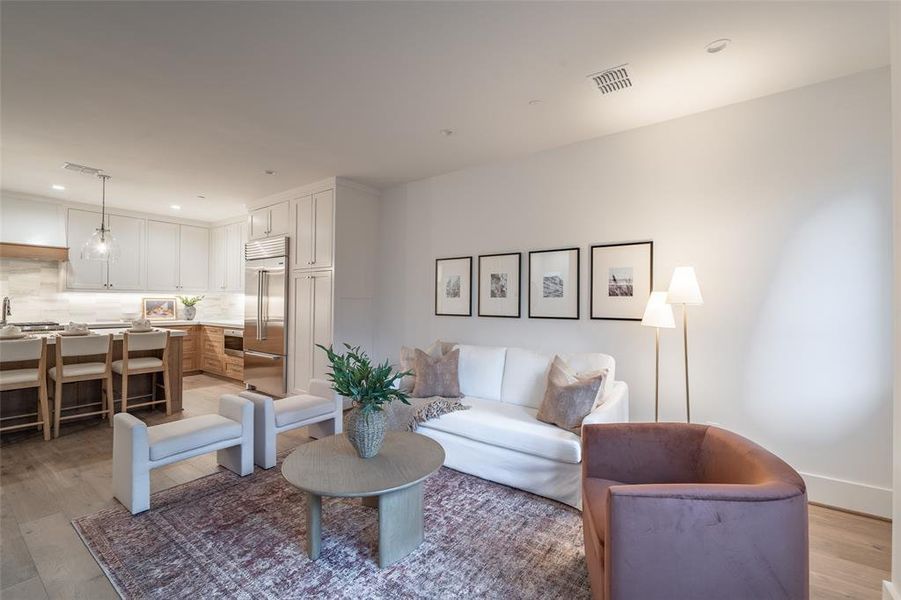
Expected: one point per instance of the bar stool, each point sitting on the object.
(88, 346)
(129, 365)
(24, 378)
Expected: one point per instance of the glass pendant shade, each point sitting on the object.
(101, 246)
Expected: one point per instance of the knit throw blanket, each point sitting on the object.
(402, 417)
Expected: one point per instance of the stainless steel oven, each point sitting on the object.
(234, 342)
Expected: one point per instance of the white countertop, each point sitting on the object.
(211, 322)
(116, 332)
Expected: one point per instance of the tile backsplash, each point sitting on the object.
(37, 292)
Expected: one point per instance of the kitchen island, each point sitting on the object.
(86, 396)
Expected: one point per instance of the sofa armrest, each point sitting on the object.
(747, 547)
(613, 406)
(237, 409)
(323, 389)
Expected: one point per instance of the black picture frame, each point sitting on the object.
(591, 315)
(518, 256)
(468, 312)
(578, 314)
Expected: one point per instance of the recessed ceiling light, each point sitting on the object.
(534, 102)
(57, 186)
(201, 196)
(447, 132)
(175, 206)
(269, 172)
(718, 45)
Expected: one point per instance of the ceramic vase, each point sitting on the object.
(190, 312)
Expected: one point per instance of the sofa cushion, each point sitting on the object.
(592, 362)
(594, 501)
(12, 376)
(482, 371)
(525, 377)
(79, 369)
(180, 436)
(509, 426)
(300, 408)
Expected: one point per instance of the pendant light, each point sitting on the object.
(102, 246)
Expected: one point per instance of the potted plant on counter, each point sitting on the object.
(190, 304)
(370, 388)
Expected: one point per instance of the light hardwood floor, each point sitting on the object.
(44, 485)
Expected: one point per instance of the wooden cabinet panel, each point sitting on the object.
(190, 347)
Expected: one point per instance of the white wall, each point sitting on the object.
(783, 206)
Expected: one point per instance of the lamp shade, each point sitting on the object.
(658, 313)
(683, 288)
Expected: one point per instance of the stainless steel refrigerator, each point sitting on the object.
(265, 315)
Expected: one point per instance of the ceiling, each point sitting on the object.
(181, 99)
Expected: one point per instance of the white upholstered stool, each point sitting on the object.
(139, 365)
(19, 378)
(98, 347)
(138, 448)
(272, 417)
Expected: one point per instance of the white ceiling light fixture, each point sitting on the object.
(534, 102)
(58, 187)
(718, 45)
(101, 246)
(201, 196)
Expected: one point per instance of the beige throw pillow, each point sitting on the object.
(437, 376)
(408, 362)
(569, 396)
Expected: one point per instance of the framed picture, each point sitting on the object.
(453, 286)
(554, 284)
(499, 285)
(622, 277)
(159, 309)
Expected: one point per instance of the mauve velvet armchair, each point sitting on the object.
(680, 512)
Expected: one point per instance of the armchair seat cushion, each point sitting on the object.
(300, 408)
(19, 376)
(136, 364)
(79, 370)
(176, 437)
(510, 426)
(594, 496)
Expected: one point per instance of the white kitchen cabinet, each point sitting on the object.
(162, 256)
(270, 221)
(227, 257)
(312, 311)
(313, 220)
(194, 258)
(82, 274)
(127, 273)
(218, 259)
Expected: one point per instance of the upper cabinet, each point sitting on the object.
(227, 257)
(270, 221)
(194, 258)
(177, 257)
(126, 274)
(313, 220)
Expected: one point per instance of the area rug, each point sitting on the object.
(225, 536)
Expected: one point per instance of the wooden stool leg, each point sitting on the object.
(153, 387)
(110, 398)
(44, 409)
(124, 391)
(57, 404)
(167, 390)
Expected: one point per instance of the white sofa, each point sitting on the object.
(500, 439)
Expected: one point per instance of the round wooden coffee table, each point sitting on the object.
(391, 481)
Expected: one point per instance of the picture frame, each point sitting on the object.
(500, 282)
(622, 278)
(554, 287)
(158, 309)
(453, 286)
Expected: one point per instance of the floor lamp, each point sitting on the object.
(657, 314)
(684, 290)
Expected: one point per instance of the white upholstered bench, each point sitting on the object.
(274, 416)
(138, 448)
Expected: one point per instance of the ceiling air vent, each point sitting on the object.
(82, 169)
(613, 79)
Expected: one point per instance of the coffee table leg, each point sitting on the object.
(314, 525)
(400, 524)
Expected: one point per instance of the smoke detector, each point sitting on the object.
(613, 79)
(82, 169)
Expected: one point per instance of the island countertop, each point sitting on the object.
(116, 332)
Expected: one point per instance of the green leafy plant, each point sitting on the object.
(190, 300)
(354, 376)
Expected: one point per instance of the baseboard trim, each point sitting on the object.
(889, 591)
(849, 495)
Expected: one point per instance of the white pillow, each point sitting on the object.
(481, 371)
(525, 377)
(592, 362)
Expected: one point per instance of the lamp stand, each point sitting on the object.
(685, 338)
(657, 376)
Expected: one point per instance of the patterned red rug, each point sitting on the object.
(224, 536)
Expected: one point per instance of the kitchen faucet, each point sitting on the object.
(7, 310)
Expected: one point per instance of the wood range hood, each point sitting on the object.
(34, 252)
